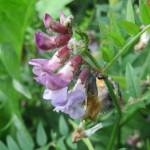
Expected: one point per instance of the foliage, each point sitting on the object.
(28, 122)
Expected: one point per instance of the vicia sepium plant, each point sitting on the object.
(67, 65)
(74, 82)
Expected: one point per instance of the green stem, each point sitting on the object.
(113, 96)
(117, 128)
(113, 136)
(125, 47)
(96, 65)
(127, 119)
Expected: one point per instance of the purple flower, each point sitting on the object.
(55, 81)
(72, 102)
(45, 42)
(55, 25)
(57, 60)
(44, 69)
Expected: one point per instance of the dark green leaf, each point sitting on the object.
(24, 142)
(41, 136)
(132, 82)
(2, 146)
(63, 127)
(61, 145)
(71, 144)
(145, 67)
(12, 145)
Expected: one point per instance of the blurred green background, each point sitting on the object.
(26, 121)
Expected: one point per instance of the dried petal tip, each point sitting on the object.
(82, 133)
(92, 130)
(78, 134)
(65, 21)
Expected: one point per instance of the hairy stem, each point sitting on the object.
(116, 133)
(125, 48)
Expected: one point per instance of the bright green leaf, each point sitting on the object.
(10, 60)
(144, 12)
(21, 89)
(13, 26)
(130, 27)
(130, 12)
(53, 7)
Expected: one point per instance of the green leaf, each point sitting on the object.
(21, 89)
(107, 53)
(10, 60)
(24, 142)
(2, 146)
(20, 126)
(12, 145)
(52, 7)
(132, 82)
(131, 108)
(130, 27)
(70, 143)
(61, 145)
(41, 136)
(130, 12)
(145, 69)
(144, 12)
(63, 127)
(13, 27)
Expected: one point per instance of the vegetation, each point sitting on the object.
(119, 35)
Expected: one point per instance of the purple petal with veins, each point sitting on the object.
(45, 42)
(57, 97)
(51, 81)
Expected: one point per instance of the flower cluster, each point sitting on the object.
(56, 73)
